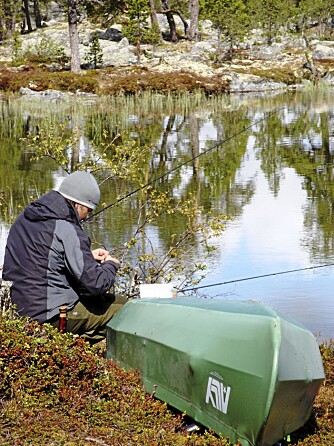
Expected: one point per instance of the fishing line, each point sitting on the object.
(219, 143)
(254, 277)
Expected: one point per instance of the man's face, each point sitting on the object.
(83, 211)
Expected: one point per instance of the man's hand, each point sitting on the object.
(101, 255)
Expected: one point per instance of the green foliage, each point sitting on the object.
(136, 28)
(231, 18)
(60, 143)
(17, 57)
(46, 50)
(53, 142)
(10, 11)
(43, 80)
(54, 389)
(271, 15)
(95, 54)
(174, 264)
(107, 12)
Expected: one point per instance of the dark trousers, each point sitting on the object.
(89, 317)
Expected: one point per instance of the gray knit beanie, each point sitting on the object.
(82, 188)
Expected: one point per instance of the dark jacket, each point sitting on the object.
(49, 260)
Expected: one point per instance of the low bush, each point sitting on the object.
(55, 389)
(143, 80)
(40, 79)
(108, 81)
(46, 50)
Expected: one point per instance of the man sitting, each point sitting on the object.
(48, 258)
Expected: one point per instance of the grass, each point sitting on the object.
(56, 390)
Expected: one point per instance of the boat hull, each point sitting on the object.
(239, 368)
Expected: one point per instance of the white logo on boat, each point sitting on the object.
(217, 394)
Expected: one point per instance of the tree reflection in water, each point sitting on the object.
(275, 180)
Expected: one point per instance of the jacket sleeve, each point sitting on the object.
(94, 277)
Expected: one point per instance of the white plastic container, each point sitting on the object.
(156, 290)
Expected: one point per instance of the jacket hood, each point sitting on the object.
(51, 206)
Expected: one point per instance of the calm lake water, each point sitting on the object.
(267, 162)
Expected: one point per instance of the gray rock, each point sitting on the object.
(50, 95)
(51, 22)
(124, 43)
(55, 12)
(270, 53)
(249, 83)
(118, 54)
(206, 26)
(112, 34)
(202, 48)
(322, 51)
(192, 58)
(328, 79)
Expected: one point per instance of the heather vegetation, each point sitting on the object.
(109, 81)
(55, 389)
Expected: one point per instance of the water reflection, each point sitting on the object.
(275, 179)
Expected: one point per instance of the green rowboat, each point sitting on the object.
(239, 368)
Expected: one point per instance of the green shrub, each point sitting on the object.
(94, 54)
(55, 389)
(42, 79)
(46, 50)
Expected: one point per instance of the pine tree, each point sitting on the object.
(231, 19)
(137, 29)
(95, 53)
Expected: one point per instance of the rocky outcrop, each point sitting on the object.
(51, 95)
(254, 66)
(323, 51)
(249, 83)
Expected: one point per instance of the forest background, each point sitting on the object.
(239, 27)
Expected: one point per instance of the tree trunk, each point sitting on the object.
(171, 22)
(219, 44)
(193, 28)
(27, 15)
(165, 136)
(37, 13)
(73, 20)
(7, 21)
(75, 156)
(154, 18)
(175, 11)
(194, 140)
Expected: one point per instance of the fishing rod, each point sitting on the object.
(253, 277)
(219, 143)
